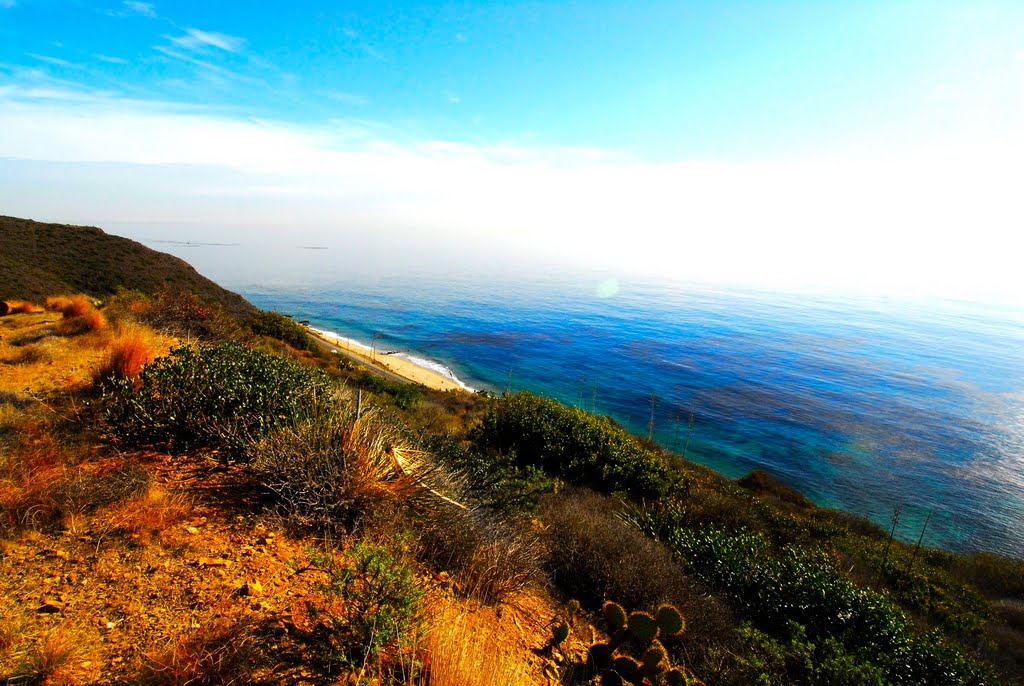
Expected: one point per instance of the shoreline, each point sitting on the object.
(409, 367)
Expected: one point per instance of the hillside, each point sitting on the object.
(188, 499)
(39, 260)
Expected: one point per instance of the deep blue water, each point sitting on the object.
(861, 404)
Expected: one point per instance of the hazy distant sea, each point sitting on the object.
(861, 404)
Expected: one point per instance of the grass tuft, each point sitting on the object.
(129, 353)
(20, 307)
(464, 649)
(50, 661)
(76, 306)
(216, 654)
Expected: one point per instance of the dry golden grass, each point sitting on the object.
(57, 303)
(92, 320)
(76, 306)
(147, 516)
(54, 658)
(130, 351)
(223, 653)
(21, 307)
(466, 648)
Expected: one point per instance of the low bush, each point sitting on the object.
(572, 444)
(403, 395)
(183, 314)
(494, 481)
(332, 468)
(774, 588)
(593, 556)
(490, 559)
(222, 397)
(379, 599)
(282, 328)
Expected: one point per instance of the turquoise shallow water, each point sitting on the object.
(861, 404)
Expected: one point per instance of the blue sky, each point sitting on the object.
(852, 144)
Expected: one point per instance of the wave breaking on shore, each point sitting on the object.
(366, 351)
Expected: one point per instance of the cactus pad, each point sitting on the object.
(670, 621)
(654, 655)
(559, 632)
(643, 627)
(628, 669)
(675, 677)
(600, 655)
(611, 679)
(614, 615)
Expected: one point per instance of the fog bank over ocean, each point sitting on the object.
(861, 402)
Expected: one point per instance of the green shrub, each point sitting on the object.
(223, 397)
(379, 598)
(775, 588)
(766, 661)
(495, 481)
(572, 444)
(282, 328)
(403, 395)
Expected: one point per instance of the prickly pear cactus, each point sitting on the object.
(639, 632)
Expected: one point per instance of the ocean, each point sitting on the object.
(861, 403)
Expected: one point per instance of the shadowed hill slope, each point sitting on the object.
(38, 260)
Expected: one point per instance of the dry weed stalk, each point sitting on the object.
(465, 648)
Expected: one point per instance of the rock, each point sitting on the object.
(213, 562)
(50, 606)
(192, 530)
(251, 588)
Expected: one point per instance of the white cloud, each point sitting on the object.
(207, 68)
(55, 61)
(355, 99)
(109, 59)
(452, 98)
(143, 9)
(194, 39)
(7, 4)
(940, 221)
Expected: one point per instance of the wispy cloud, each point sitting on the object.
(354, 99)
(7, 4)
(55, 61)
(143, 9)
(109, 59)
(452, 98)
(206, 67)
(195, 39)
(359, 42)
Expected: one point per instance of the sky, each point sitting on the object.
(866, 146)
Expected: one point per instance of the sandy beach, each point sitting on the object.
(395, 363)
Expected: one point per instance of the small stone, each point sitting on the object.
(50, 606)
(192, 530)
(251, 588)
(213, 562)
